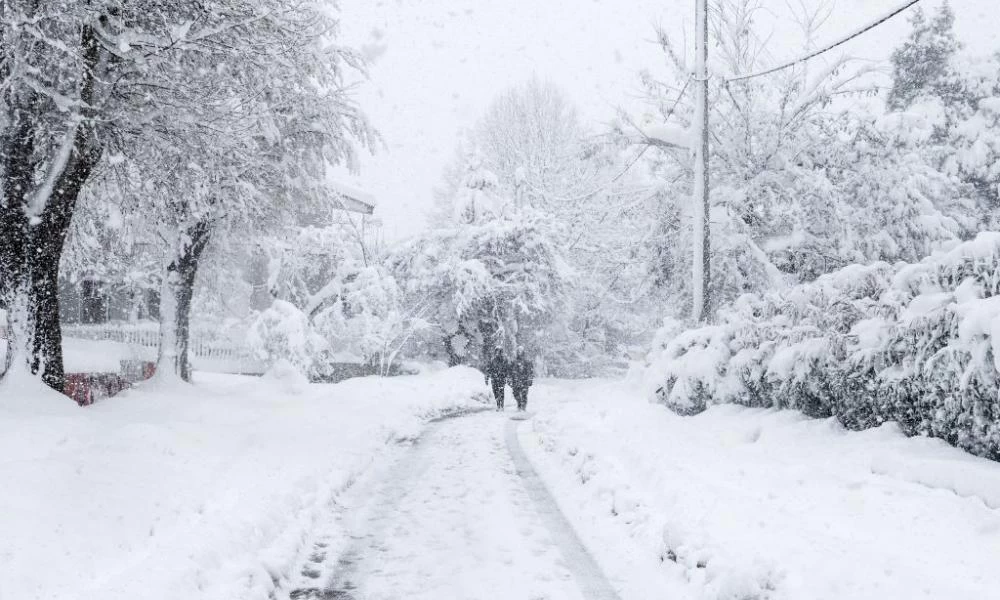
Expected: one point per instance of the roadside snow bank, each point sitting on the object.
(205, 491)
(740, 503)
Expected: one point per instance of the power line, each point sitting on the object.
(864, 29)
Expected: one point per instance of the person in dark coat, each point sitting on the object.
(522, 375)
(496, 374)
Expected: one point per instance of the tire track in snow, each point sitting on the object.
(588, 573)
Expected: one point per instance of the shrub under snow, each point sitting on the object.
(918, 344)
(282, 336)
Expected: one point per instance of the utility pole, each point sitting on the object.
(701, 263)
(698, 140)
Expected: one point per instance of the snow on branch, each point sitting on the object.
(667, 135)
(661, 135)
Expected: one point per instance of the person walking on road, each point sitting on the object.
(496, 374)
(522, 375)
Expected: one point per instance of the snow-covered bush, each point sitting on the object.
(364, 316)
(478, 199)
(918, 344)
(282, 335)
(499, 279)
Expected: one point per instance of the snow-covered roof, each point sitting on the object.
(354, 200)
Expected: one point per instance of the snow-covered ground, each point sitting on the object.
(203, 492)
(449, 519)
(243, 488)
(740, 503)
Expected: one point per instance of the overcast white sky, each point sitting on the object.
(438, 63)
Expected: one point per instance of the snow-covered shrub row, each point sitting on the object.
(912, 343)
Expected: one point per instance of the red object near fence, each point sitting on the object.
(86, 388)
(78, 388)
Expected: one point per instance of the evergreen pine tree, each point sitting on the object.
(921, 66)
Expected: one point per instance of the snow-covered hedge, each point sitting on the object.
(917, 344)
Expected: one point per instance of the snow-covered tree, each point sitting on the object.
(531, 138)
(54, 74)
(544, 157)
(801, 186)
(250, 155)
(949, 100)
(204, 110)
(491, 282)
(922, 65)
(478, 199)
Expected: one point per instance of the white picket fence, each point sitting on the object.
(208, 350)
(146, 334)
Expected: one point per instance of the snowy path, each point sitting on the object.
(459, 516)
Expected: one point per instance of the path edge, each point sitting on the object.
(589, 576)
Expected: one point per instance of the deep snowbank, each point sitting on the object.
(206, 492)
(740, 503)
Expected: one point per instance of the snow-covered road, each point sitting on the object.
(461, 514)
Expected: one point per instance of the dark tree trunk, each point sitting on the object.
(449, 349)
(47, 234)
(46, 355)
(17, 153)
(33, 237)
(19, 163)
(48, 240)
(181, 275)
